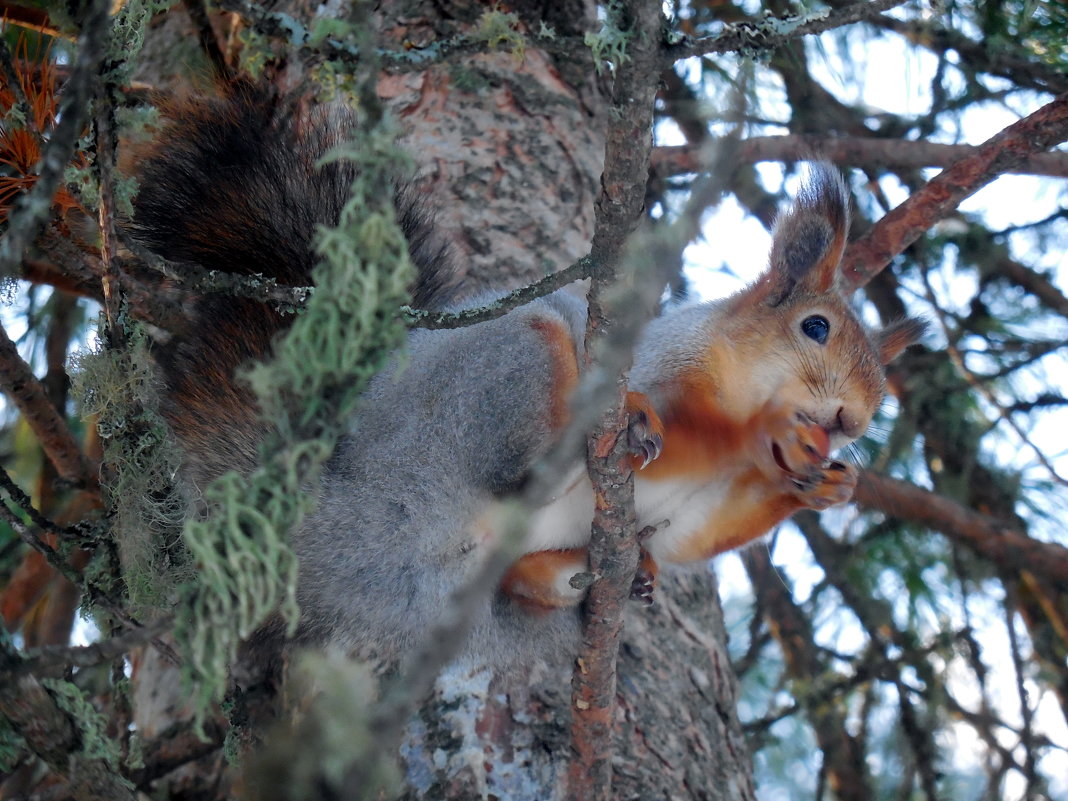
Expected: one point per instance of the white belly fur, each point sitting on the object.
(687, 506)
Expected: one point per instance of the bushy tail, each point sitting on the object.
(232, 184)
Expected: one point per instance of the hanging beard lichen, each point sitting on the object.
(246, 570)
(119, 388)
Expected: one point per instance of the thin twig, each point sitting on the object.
(105, 163)
(1027, 733)
(772, 33)
(22, 500)
(193, 276)
(20, 384)
(55, 660)
(610, 334)
(420, 318)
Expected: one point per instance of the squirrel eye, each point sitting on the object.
(816, 327)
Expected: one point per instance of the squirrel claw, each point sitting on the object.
(645, 438)
(831, 483)
(641, 589)
(650, 449)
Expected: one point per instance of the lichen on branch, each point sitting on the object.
(247, 570)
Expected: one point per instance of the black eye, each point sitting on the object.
(816, 327)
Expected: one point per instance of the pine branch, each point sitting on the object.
(176, 747)
(978, 56)
(20, 384)
(1006, 150)
(843, 759)
(991, 539)
(56, 736)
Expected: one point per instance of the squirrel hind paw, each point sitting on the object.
(642, 588)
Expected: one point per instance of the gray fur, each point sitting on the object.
(392, 539)
(672, 344)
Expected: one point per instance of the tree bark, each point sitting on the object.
(676, 727)
(507, 151)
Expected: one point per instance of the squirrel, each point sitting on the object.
(736, 406)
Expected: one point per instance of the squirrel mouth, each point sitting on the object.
(776, 452)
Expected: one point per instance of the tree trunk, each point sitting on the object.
(506, 149)
(677, 733)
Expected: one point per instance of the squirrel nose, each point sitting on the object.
(847, 424)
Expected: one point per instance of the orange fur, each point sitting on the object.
(699, 439)
(564, 368)
(532, 580)
(752, 512)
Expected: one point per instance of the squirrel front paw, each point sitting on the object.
(645, 432)
(832, 482)
(796, 452)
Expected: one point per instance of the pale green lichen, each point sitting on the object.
(755, 35)
(12, 746)
(93, 736)
(255, 51)
(330, 733)
(128, 26)
(119, 388)
(609, 45)
(335, 82)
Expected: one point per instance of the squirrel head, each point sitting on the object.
(794, 333)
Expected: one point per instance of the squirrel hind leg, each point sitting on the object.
(541, 581)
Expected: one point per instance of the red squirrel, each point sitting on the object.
(742, 401)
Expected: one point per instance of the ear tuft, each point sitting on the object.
(897, 336)
(809, 239)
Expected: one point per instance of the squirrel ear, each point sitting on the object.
(808, 240)
(897, 336)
